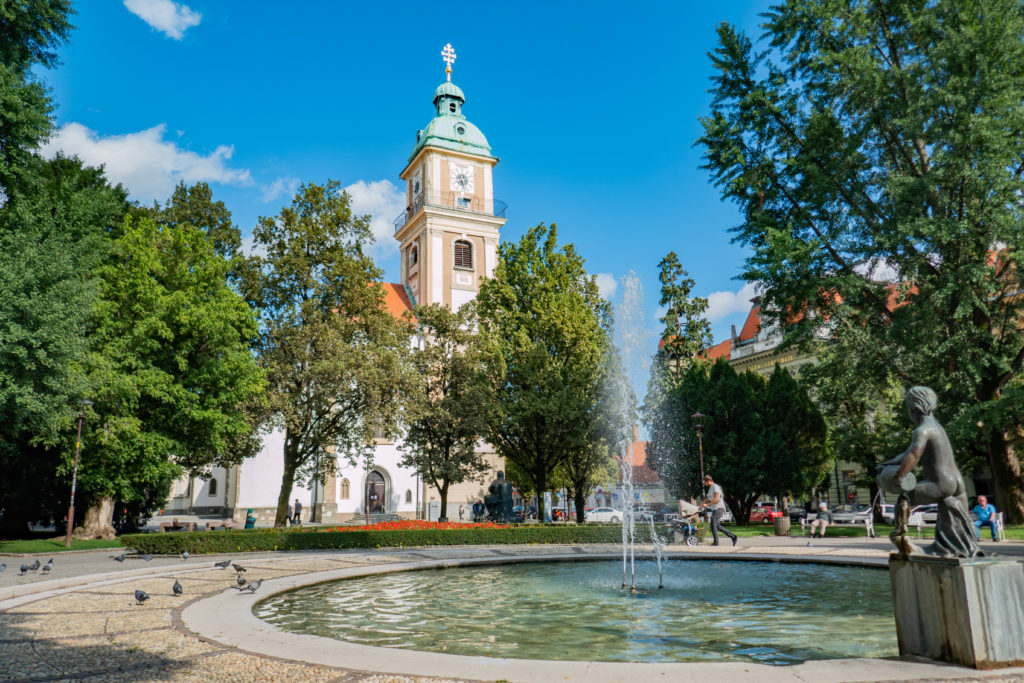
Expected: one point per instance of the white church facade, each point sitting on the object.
(448, 237)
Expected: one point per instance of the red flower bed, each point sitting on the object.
(407, 524)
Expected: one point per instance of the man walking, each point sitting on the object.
(714, 501)
(297, 519)
(986, 516)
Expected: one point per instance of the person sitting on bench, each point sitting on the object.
(823, 519)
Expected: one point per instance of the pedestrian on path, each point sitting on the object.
(714, 502)
(297, 519)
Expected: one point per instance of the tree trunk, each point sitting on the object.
(291, 465)
(542, 486)
(580, 502)
(98, 521)
(443, 490)
(1007, 477)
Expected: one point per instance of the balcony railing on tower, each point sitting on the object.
(454, 201)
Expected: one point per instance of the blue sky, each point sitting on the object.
(592, 108)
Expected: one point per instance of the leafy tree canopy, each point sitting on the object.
(336, 360)
(446, 412)
(874, 150)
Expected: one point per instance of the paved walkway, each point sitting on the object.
(82, 623)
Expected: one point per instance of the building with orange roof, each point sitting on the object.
(448, 240)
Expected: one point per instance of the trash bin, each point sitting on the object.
(782, 525)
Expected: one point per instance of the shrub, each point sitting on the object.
(234, 541)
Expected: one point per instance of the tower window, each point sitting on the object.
(463, 254)
(414, 255)
(460, 130)
(451, 107)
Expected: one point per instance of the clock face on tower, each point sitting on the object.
(461, 177)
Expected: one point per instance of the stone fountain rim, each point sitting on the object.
(227, 619)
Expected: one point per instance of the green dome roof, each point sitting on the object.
(448, 89)
(449, 129)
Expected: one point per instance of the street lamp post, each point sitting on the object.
(74, 476)
(698, 424)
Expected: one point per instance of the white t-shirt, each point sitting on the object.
(712, 490)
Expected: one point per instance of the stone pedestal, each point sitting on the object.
(968, 612)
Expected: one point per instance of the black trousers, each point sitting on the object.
(716, 525)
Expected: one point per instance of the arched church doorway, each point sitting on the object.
(376, 492)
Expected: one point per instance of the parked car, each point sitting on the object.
(929, 513)
(796, 513)
(888, 513)
(851, 514)
(604, 515)
(764, 514)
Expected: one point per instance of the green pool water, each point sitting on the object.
(708, 611)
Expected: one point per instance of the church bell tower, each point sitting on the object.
(449, 230)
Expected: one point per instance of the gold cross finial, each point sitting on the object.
(448, 55)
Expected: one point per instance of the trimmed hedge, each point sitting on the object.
(235, 541)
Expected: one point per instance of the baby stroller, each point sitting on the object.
(684, 524)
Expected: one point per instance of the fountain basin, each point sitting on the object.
(709, 611)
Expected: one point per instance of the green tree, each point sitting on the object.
(47, 251)
(195, 207)
(794, 439)
(446, 412)
(52, 239)
(547, 331)
(611, 419)
(874, 150)
(171, 369)
(336, 360)
(686, 333)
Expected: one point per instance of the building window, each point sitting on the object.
(408, 495)
(414, 255)
(345, 489)
(213, 487)
(451, 107)
(463, 254)
(462, 202)
(460, 130)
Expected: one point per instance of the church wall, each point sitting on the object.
(259, 481)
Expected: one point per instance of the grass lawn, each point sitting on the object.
(49, 545)
(1014, 532)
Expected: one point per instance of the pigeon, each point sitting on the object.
(24, 568)
(48, 566)
(34, 567)
(147, 557)
(184, 555)
(120, 558)
(809, 544)
(255, 586)
(223, 565)
(141, 596)
(3, 566)
(176, 588)
(238, 568)
(240, 580)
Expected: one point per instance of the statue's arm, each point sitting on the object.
(908, 460)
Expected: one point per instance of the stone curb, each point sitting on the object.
(227, 619)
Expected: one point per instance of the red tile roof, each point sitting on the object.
(642, 473)
(752, 323)
(396, 299)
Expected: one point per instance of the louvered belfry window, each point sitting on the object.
(463, 254)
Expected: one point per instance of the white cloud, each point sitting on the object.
(606, 285)
(144, 162)
(383, 201)
(877, 270)
(723, 304)
(282, 187)
(165, 16)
